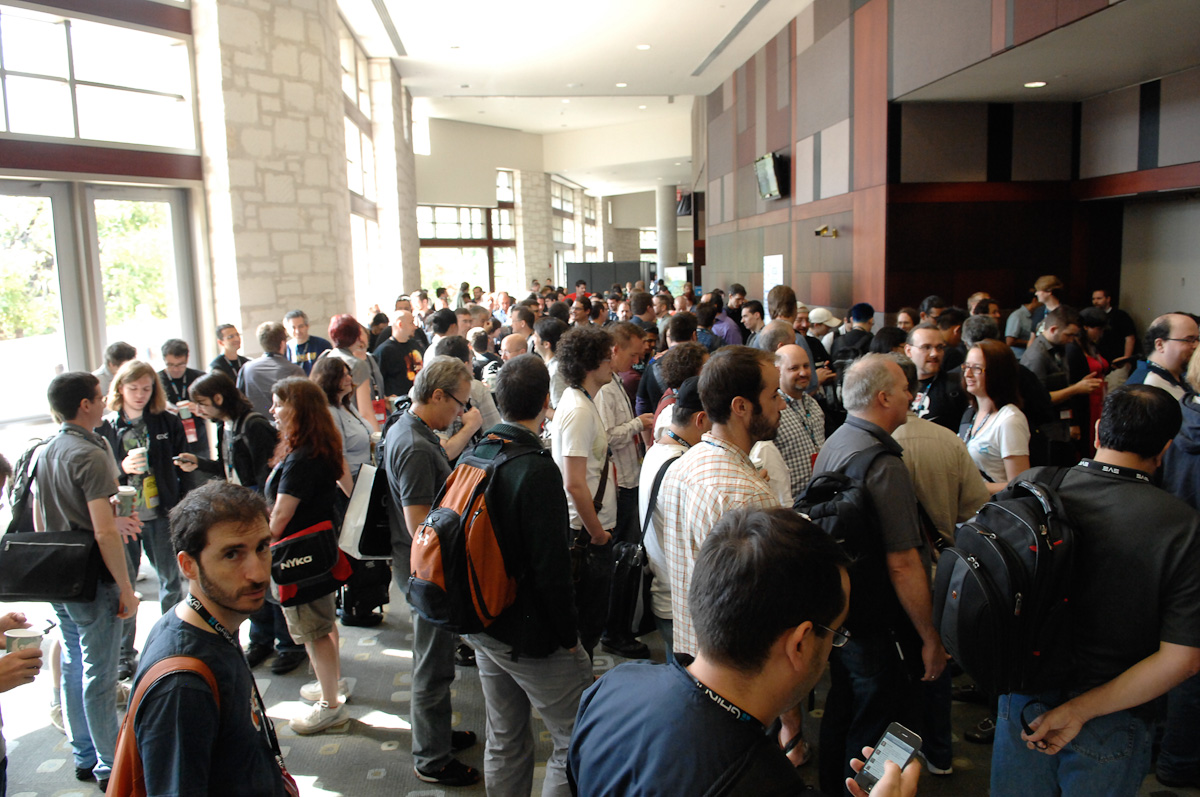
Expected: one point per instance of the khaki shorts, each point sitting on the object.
(311, 621)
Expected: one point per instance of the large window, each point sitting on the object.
(475, 245)
(135, 280)
(89, 81)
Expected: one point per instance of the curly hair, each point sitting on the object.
(681, 361)
(580, 350)
(310, 426)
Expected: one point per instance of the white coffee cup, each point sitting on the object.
(21, 638)
(126, 495)
(139, 452)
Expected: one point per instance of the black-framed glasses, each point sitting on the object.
(928, 347)
(1191, 340)
(465, 407)
(840, 635)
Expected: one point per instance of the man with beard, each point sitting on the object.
(802, 423)
(739, 388)
(873, 678)
(940, 397)
(189, 739)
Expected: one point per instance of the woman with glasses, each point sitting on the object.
(994, 429)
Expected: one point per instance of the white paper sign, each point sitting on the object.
(772, 272)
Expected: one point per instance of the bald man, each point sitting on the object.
(513, 345)
(399, 356)
(802, 423)
(1170, 341)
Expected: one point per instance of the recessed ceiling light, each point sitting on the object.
(678, 164)
(643, 47)
(465, 86)
(622, 85)
(454, 47)
(574, 85)
(1035, 84)
(566, 102)
(641, 107)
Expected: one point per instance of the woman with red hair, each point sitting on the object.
(995, 430)
(350, 346)
(308, 467)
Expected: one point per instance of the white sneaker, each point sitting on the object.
(122, 694)
(319, 718)
(311, 691)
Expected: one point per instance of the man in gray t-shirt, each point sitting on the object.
(416, 468)
(76, 479)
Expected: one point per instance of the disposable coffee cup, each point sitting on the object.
(376, 438)
(21, 638)
(126, 495)
(139, 452)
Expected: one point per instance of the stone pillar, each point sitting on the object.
(535, 238)
(668, 229)
(398, 269)
(271, 125)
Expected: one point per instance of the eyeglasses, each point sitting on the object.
(971, 368)
(1191, 340)
(928, 347)
(465, 407)
(840, 635)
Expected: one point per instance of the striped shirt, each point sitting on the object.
(712, 478)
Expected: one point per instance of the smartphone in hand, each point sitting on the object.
(897, 744)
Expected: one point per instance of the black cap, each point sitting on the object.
(688, 395)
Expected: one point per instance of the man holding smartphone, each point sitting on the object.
(665, 728)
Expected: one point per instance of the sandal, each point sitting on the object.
(805, 748)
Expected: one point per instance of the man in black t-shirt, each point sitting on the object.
(940, 398)
(667, 729)
(1135, 620)
(399, 356)
(1118, 344)
(189, 742)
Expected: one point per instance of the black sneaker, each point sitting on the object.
(626, 648)
(287, 661)
(971, 693)
(464, 655)
(257, 653)
(983, 733)
(83, 774)
(462, 740)
(456, 773)
(103, 784)
(126, 668)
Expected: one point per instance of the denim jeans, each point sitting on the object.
(91, 645)
(155, 539)
(553, 685)
(1110, 756)
(1179, 756)
(931, 713)
(867, 691)
(432, 714)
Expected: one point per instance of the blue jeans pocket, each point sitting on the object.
(1108, 738)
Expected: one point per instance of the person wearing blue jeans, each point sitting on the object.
(1135, 616)
(75, 483)
(1179, 755)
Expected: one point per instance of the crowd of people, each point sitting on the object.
(694, 423)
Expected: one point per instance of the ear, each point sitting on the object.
(798, 645)
(188, 566)
(218, 399)
(1159, 459)
(1096, 434)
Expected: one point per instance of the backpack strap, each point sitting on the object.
(658, 478)
(128, 775)
(858, 465)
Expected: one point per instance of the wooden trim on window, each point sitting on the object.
(361, 206)
(137, 12)
(356, 115)
(54, 157)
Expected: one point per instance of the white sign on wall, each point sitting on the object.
(772, 272)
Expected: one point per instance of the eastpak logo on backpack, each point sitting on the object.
(458, 575)
(1001, 600)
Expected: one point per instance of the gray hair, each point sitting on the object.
(979, 327)
(775, 334)
(866, 378)
(444, 373)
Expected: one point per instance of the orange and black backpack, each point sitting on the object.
(462, 568)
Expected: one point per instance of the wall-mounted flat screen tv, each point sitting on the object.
(771, 172)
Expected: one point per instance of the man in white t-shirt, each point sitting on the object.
(580, 447)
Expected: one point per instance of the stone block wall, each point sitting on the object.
(535, 240)
(274, 159)
(398, 269)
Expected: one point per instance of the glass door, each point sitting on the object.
(41, 327)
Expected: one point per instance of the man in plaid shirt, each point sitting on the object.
(802, 423)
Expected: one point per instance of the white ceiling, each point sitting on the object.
(1129, 43)
(512, 65)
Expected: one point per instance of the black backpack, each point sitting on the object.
(839, 503)
(1001, 597)
(20, 496)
